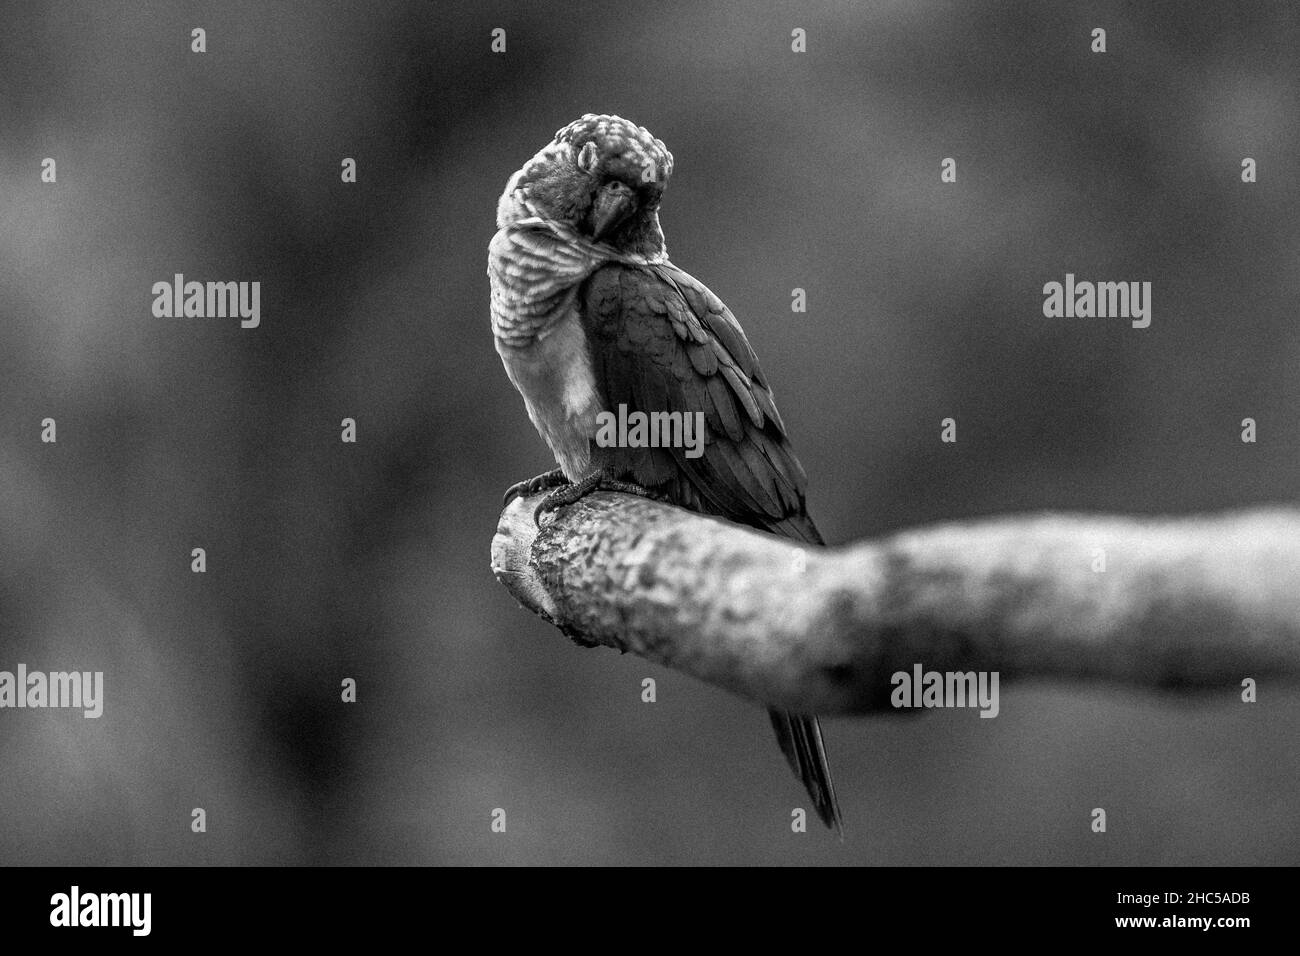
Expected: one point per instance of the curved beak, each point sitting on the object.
(613, 204)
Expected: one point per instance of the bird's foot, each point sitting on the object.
(543, 482)
(580, 489)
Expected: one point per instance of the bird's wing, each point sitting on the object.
(661, 341)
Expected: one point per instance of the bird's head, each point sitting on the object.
(601, 176)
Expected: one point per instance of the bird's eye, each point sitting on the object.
(587, 157)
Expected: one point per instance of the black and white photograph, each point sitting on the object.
(679, 434)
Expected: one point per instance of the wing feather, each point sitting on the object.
(661, 341)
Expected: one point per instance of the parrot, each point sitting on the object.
(589, 314)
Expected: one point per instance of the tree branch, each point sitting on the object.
(1182, 603)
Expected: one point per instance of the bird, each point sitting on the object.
(589, 314)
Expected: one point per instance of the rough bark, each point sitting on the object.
(1183, 603)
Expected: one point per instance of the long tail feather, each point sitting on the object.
(801, 741)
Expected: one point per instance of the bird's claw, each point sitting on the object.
(578, 490)
(533, 486)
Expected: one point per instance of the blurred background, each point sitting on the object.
(370, 560)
